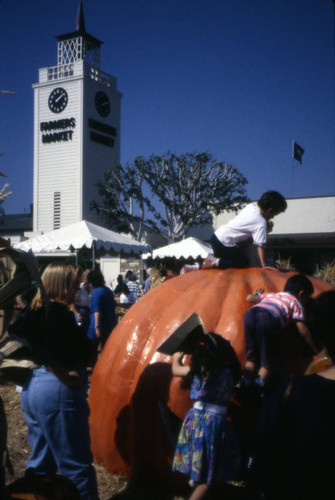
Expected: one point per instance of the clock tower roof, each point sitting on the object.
(79, 28)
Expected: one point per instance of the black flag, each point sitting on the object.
(298, 151)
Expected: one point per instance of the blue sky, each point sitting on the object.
(238, 78)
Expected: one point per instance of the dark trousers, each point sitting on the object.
(229, 256)
(263, 339)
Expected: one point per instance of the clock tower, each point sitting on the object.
(76, 131)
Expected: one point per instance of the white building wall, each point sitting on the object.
(307, 215)
(110, 268)
(57, 165)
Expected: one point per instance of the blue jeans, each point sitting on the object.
(58, 431)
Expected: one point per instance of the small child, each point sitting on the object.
(254, 221)
(207, 450)
(126, 296)
(263, 325)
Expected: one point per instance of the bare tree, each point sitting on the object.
(169, 194)
(3, 195)
(122, 203)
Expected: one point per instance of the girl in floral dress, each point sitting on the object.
(207, 450)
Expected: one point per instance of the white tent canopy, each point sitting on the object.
(79, 235)
(190, 247)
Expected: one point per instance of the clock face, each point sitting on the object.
(58, 100)
(102, 104)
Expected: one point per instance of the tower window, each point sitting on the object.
(57, 210)
(78, 49)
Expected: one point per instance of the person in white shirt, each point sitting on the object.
(126, 296)
(253, 222)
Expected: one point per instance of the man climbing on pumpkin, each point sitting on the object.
(254, 221)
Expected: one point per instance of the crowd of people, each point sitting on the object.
(291, 452)
(129, 289)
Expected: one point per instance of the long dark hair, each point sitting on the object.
(95, 278)
(212, 352)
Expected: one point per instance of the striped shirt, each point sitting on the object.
(282, 305)
(134, 288)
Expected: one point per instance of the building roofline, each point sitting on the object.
(76, 34)
(310, 197)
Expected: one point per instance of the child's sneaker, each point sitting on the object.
(210, 262)
(189, 267)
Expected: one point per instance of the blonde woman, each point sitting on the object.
(54, 400)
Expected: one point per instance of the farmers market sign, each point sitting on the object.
(57, 130)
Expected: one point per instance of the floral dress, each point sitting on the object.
(207, 450)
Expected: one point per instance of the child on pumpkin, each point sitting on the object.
(207, 450)
(254, 221)
(263, 325)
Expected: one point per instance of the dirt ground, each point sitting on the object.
(109, 484)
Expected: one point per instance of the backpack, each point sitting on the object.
(19, 280)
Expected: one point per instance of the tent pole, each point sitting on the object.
(93, 255)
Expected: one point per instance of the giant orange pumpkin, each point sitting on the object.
(131, 376)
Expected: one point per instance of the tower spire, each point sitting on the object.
(80, 22)
(79, 45)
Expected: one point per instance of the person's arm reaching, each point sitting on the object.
(254, 298)
(307, 336)
(262, 255)
(97, 319)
